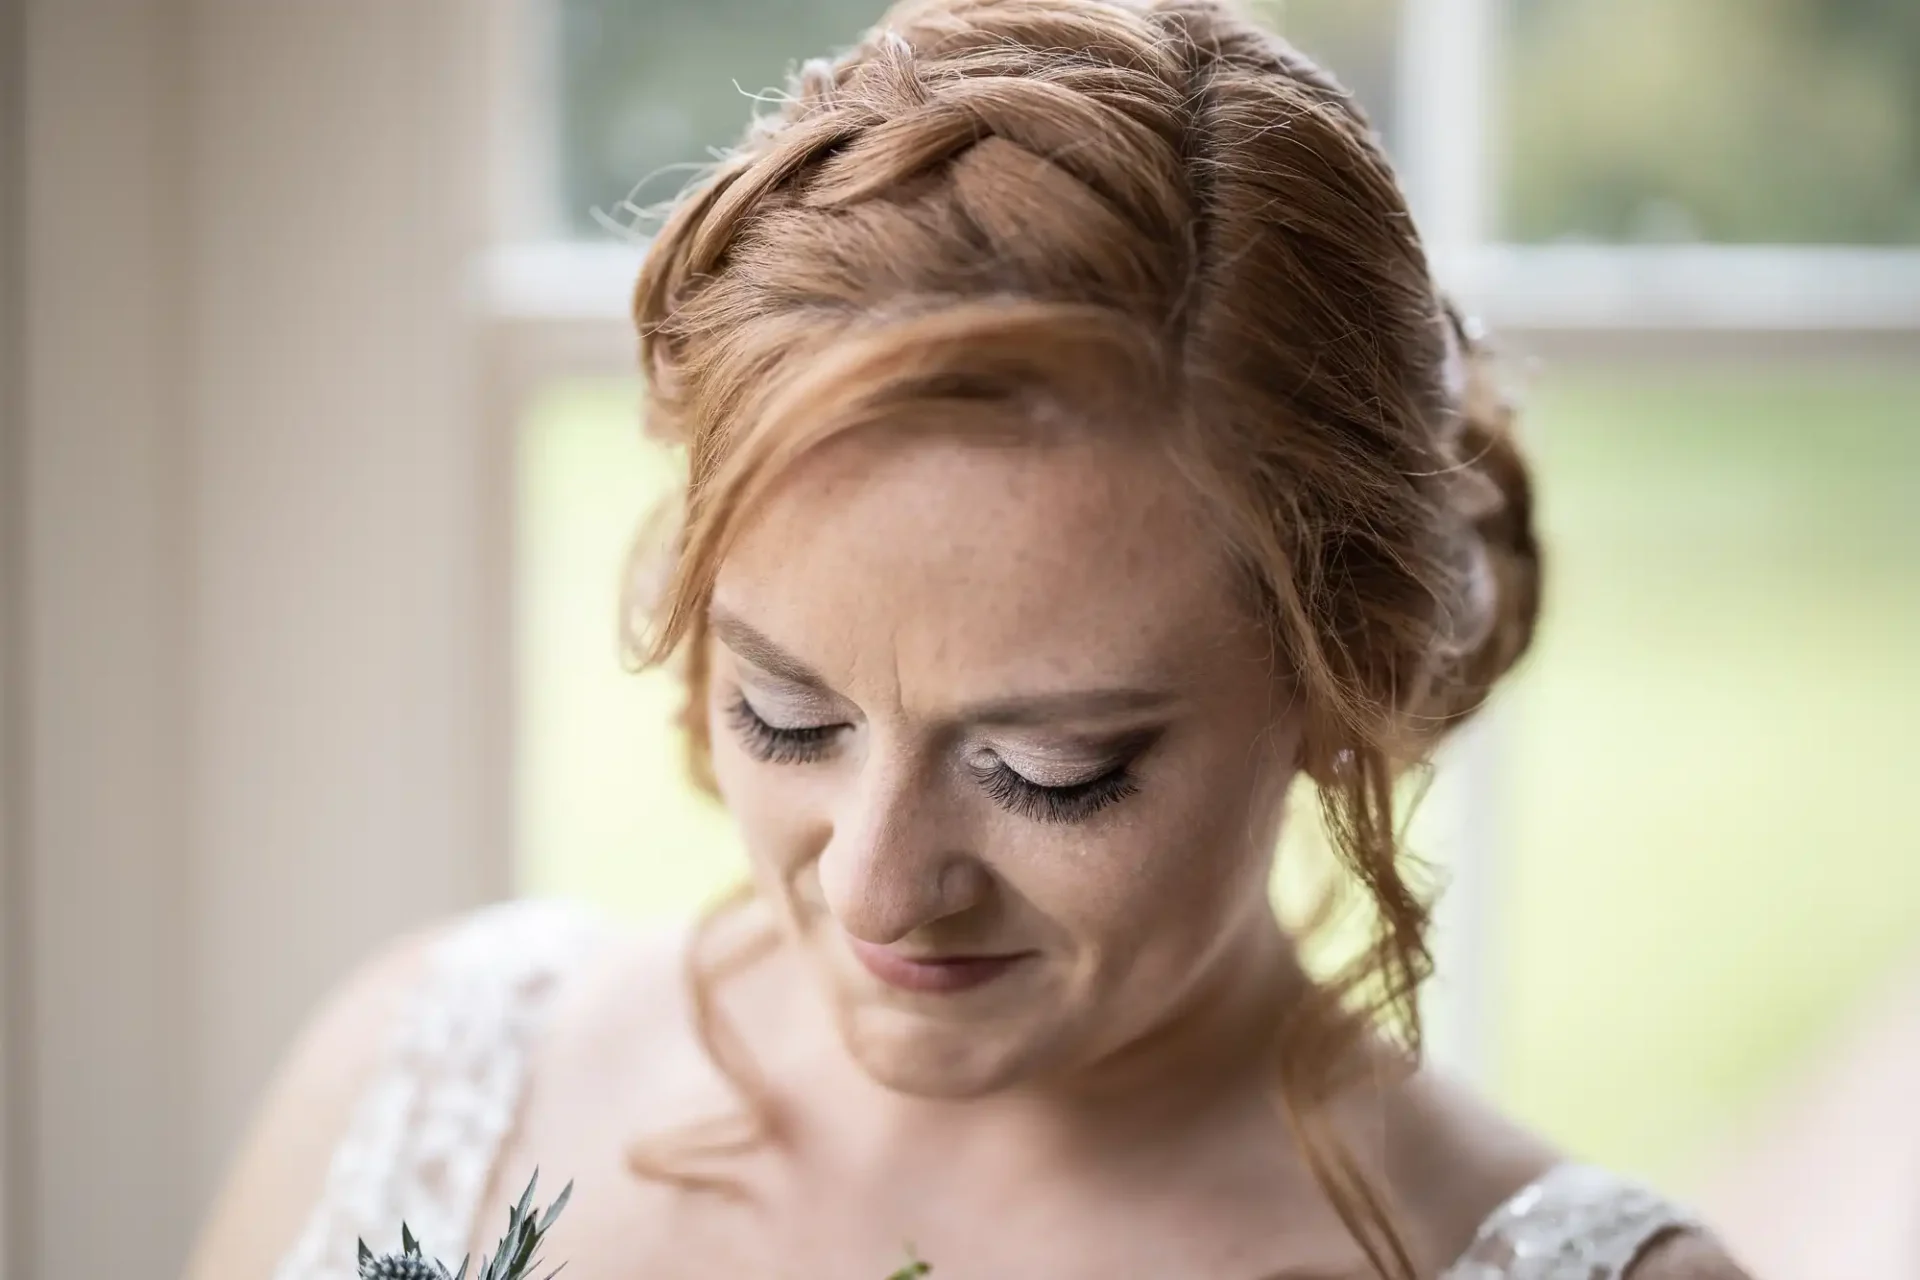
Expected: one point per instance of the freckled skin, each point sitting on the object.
(917, 607)
(921, 578)
(1103, 1107)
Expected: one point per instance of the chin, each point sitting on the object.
(922, 1056)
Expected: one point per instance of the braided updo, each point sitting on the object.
(1140, 212)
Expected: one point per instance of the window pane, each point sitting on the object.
(605, 810)
(652, 89)
(1710, 852)
(1722, 120)
(649, 91)
(1358, 40)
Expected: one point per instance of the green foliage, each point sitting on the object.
(516, 1258)
(650, 91)
(518, 1254)
(913, 1270)
(1736, 120)
(1740, 120)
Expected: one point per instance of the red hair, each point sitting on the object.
(1154, 205)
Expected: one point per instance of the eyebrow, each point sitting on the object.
(1073, 704)
(749, 643)
(1020, 711)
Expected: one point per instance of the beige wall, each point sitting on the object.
(11, 124)
(102, 613)
(260, 641)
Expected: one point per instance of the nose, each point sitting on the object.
(897, 859)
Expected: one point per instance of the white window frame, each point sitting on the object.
(558, 309)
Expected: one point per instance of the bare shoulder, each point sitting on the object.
(624, 1030)
(619, 1059)
(627, 1009)
(280, 1169)
(281, 1164)
(1688, 1255)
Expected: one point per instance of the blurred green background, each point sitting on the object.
(1706, 854)
(1747, 120)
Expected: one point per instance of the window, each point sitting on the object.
(1791, 121)
(604, 806)
(1701, 860)
(650, 92)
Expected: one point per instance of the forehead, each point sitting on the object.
(947, 567)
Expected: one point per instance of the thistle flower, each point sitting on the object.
(408, 1264)
(518, 1254)
(516, 1259)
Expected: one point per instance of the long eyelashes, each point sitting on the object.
(1012, 792)
(780, 746)
(1055, 804)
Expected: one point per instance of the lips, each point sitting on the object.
(942, 975)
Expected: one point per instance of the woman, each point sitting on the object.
(1079, 455)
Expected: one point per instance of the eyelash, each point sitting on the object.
(1016, 794)
(1076, 803)
(780, 746)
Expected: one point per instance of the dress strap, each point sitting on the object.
(1575, 1223)
(423, 1140)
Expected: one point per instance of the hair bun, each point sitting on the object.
(1499, 516)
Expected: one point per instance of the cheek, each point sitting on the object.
(779, 811)
(1163, 879)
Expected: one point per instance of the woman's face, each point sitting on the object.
(1003, 747)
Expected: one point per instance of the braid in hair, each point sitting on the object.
(1146, 204)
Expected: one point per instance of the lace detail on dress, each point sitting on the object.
(1576, 1223)
(423, 1139)
(425, 1135)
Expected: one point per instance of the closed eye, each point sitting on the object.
(1012, 791)
(1075, 803)
(774, 744)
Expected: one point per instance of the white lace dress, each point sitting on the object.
(422, 1143)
